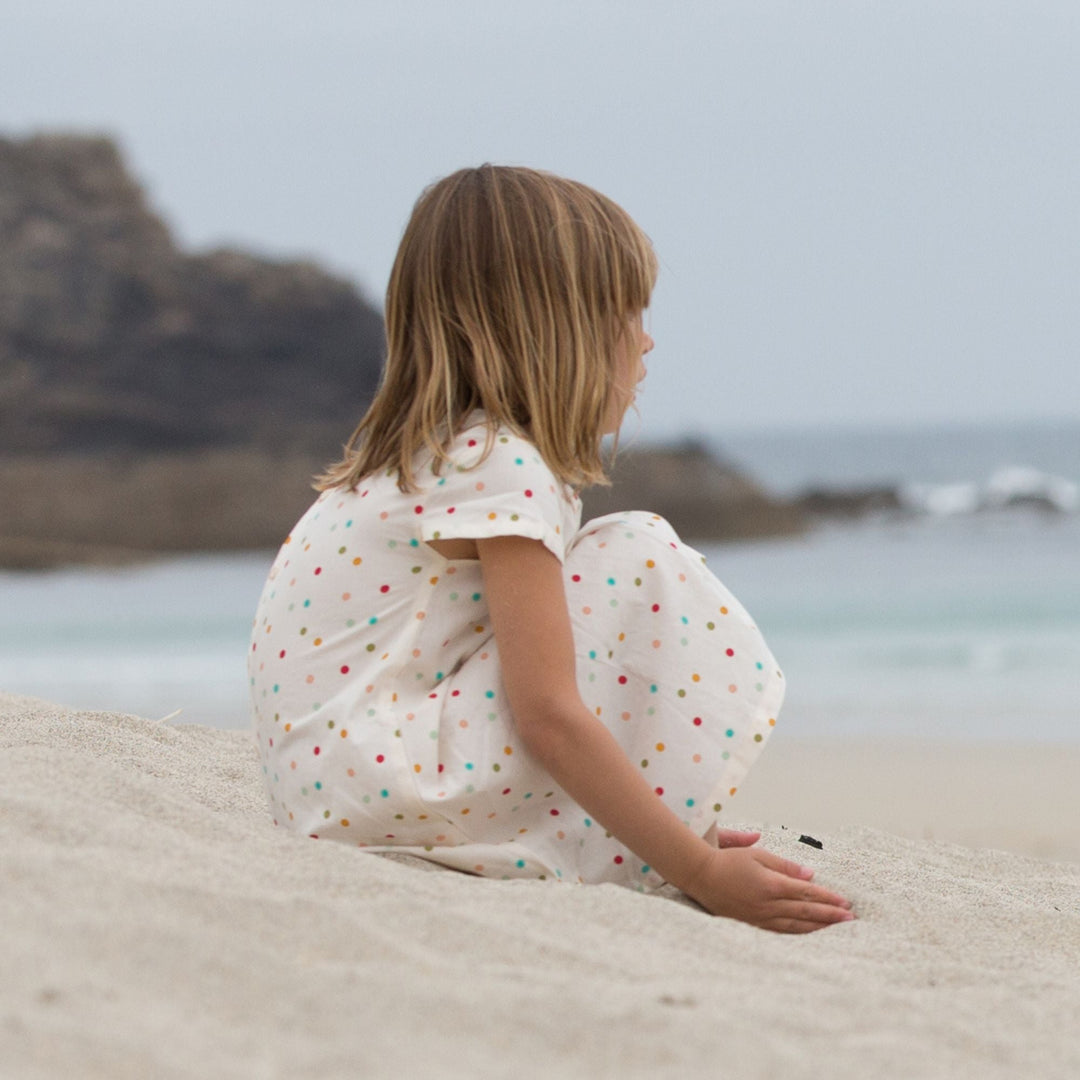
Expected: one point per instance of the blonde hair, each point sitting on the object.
(509, 293)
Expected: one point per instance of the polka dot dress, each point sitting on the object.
(378, 707)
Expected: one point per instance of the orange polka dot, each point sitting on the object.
(622, 637)
(732, 689)
(344, 733)
(491, 516)
(661, 747)
(357, 561)
(317, 641)
(479, 868)
(656, 644)
(345, 822)
(309, 679)
(292, 764)
(508, 750)
(416, 768)
(288, 727)
(697, 759)
(478, 629)
(465, 811)
(731, 791)
(416, 654)
(649, 563)
(696, 677)
(586, 610)
(351, 772)
(626, 716)
(723, 611)
(463, 723)
(346, 596)
(479, 485)
(421, 615)
(433, 580)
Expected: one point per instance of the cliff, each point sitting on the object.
(111, 339)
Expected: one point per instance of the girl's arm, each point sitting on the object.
(524, 588)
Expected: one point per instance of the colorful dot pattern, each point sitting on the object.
(379, 711)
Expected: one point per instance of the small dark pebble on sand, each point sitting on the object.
(804, 839)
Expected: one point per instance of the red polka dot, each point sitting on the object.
(576, 577)
(617, 860)
(730, 652)
(454, 693)
(384, 588)
(554, 812)
(441, 767)
(418, 509)
(451, 509)
(528, 493)
(506, 791)
(622, 680)
(380, 758)
(656, 607)
(472, 442)
(318, 570)
(316, 751)
(344, 669)
(281, 655)
(697, 721)
(659, 791)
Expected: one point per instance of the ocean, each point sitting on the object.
(952, 622)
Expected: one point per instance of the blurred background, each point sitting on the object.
(867, 321)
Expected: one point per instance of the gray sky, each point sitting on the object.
(866, 212)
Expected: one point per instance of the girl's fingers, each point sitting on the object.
(726, 838)
(819, 914)
(785, 866)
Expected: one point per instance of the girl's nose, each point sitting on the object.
(647, 343)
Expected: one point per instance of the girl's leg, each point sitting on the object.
(670, 661)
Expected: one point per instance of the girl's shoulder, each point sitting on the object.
(484, 446)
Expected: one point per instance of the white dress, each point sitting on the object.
(378, 705)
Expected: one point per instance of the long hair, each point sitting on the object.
(509, 293)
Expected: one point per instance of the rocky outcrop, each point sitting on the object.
(703, 498)
(112, 339)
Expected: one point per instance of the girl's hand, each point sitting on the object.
(760, 888)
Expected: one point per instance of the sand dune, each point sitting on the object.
(154, 924)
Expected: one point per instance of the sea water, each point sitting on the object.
(949, 624)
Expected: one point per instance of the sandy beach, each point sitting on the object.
(155, 924)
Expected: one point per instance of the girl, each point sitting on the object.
(444, 662)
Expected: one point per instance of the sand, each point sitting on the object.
(155, 924)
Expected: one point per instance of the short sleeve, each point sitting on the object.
(511, 492)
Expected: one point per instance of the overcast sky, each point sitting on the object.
(865, 212)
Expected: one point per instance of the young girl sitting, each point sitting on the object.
(444, 662)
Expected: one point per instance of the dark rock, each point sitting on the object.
(849, 502)
(702, 497)
(111, 339)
